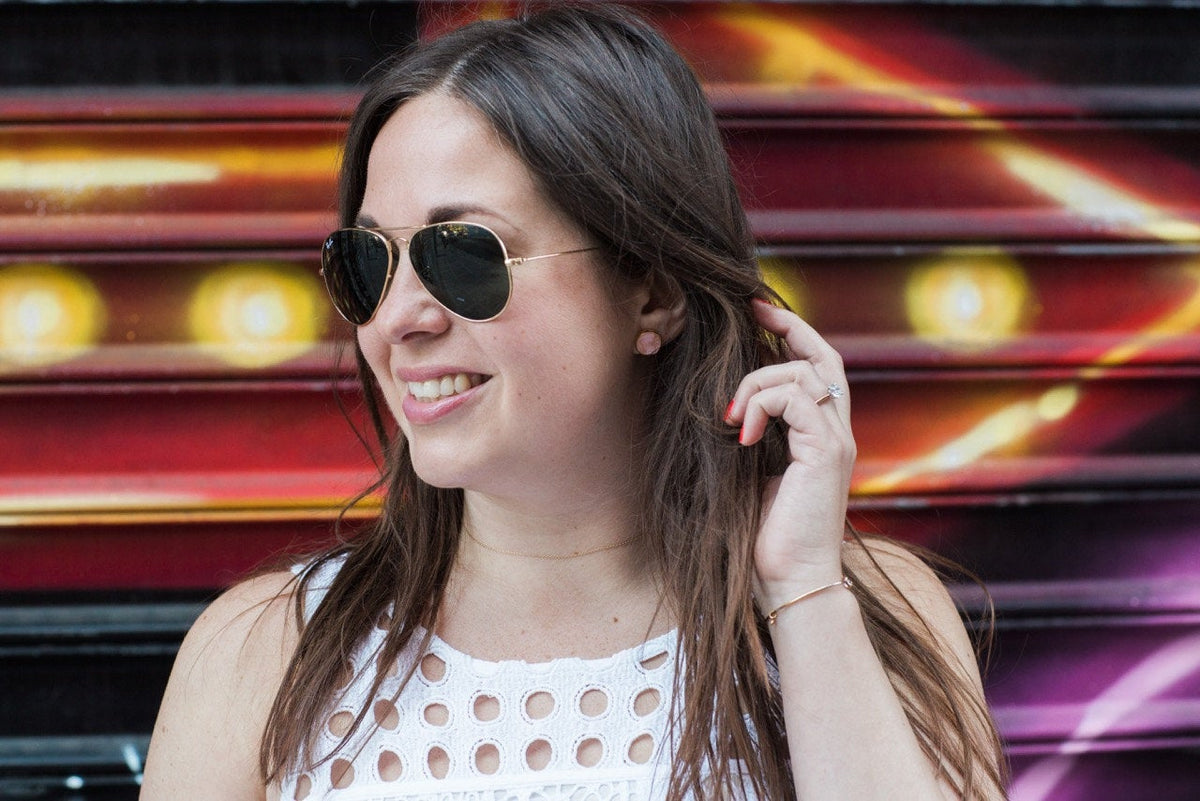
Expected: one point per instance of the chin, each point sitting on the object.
(435, 481)
(438, 471)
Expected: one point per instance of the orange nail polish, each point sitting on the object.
(742, 436)
(729, 411)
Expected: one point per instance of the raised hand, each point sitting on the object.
(804, 510)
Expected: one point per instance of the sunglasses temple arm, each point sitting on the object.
(518, 260)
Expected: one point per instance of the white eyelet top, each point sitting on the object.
(465, 729)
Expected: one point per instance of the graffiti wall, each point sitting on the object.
(992, 210)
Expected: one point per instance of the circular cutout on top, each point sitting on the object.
(487, 758)
(539, 704)
(340, 723)
(341, 774)
(485, 708)
(385, 667)
(438, 762)
(538, 754)
(641, 748)
(589, 752)
(593, 702)
(436, 714)
(433, 668)
(646, 702)
(654, 661)
(386, 714)
(303, 787)
(390, 766)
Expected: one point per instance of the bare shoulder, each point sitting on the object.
(881, 562)
(252, 620)
(206, 738)
(911, 590)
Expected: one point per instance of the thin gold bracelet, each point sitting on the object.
(844, 581)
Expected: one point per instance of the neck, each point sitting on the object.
(594, 596)
(593, 535)
(554, 556)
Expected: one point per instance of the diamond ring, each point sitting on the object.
(831, 391)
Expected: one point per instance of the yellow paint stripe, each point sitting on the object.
(76, 170)
(147, 508)
(1181, 320)
(998, 430)
(1088, 195)
(183, 516)
(795, 55)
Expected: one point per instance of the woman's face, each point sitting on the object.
(545, 393)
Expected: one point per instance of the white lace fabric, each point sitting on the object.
(465, 729)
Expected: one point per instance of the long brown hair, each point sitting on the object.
(616, 129)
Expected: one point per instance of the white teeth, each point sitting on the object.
(438, 388)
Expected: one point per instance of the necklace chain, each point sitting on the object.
(599, 548)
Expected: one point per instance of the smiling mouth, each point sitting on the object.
(447, 386)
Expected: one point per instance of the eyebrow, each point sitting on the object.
(436, 215)
(457, 212)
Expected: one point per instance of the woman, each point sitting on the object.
(612, 559)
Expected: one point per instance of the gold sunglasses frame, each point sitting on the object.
(394, 261)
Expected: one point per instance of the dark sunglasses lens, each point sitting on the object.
(355, 265)
(462, 266)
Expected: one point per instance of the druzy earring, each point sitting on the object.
(648, 343)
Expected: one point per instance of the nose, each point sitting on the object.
(408, 310)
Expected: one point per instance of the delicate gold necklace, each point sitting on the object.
(575, 555)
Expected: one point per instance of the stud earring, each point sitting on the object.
(648, 343)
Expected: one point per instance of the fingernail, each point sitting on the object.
(729, 411)
(742, 436)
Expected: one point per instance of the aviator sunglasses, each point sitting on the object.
(464, 266)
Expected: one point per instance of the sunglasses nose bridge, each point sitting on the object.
(408, 308)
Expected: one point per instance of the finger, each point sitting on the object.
(801, 372)
(801, 339)
(829, 395)
(794, 404)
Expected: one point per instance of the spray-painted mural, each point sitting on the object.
(992, 210)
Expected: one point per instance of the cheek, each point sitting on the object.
(371, 345)
(376, 352)
(586, 365)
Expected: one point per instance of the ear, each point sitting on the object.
(662, 307)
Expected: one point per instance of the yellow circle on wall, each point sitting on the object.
(48, 313)
(967, 300)
(255, 314)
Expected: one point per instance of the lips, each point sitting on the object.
(445, 386)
